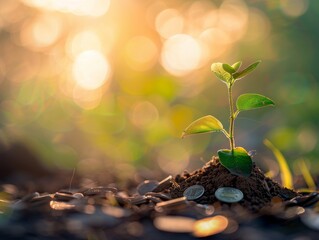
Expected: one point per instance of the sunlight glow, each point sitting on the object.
(181, 54)
(91, 70)
(214, 42)
(141, 53)
(87, 99)
(233, 18)
(169, 22)
(86, 40)
(94, 8)
(41, 32)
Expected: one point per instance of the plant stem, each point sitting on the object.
(231, 118)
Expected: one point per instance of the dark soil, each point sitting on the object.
(258, 189)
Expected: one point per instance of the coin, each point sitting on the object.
(229, 194)
(146, 186)
(174, 204)
(99, 191)
(194, 192)
(164, 184)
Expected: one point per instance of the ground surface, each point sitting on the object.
(159, 210)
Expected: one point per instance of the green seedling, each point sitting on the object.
(236, 159)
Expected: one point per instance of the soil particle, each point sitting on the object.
(258, 189)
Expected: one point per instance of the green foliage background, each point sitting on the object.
(37, 111)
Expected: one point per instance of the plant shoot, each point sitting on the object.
(235, 159)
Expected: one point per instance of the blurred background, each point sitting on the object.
(105, 87)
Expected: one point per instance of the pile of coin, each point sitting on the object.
(149, 210)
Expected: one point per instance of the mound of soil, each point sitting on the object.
(258, 189)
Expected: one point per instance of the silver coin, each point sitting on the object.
(164, 184)
(229, 194)
(146, 186)
(194, 192)
(176, 204)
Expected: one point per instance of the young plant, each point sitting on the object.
(235, 159)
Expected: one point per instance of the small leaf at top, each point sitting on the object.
(228, 68)
(220, 72)
(236, 65)
(203, 125)
(238, 161)
(250, 101)
(246, 71)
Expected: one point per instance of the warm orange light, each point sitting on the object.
(214, 43)
(141, 53)
(94, 8)
(87, 99)
(91, 70)
(42, 32)
(181, 54)
(210, 226)
(82, 41)
(169, 22)
(233, 18)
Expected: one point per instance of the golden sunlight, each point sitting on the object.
(93, 8)
(181, 54)
(41, 32)
(91, 70)
(85, 40)
(141, 53)
(169, 22)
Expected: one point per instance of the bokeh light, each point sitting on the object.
(117, 81)
(91, 69)
(181, 54)
(210, 226)
(82, 41)
(169, 22)
(94, 8)
(41, 32)
(141, 53)
(294, 8)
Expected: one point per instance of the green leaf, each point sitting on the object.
(238, 161)
(236, 65)
(250, 101)
(220, 72)
(246, 71)
(228, 68)
(203, 125)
